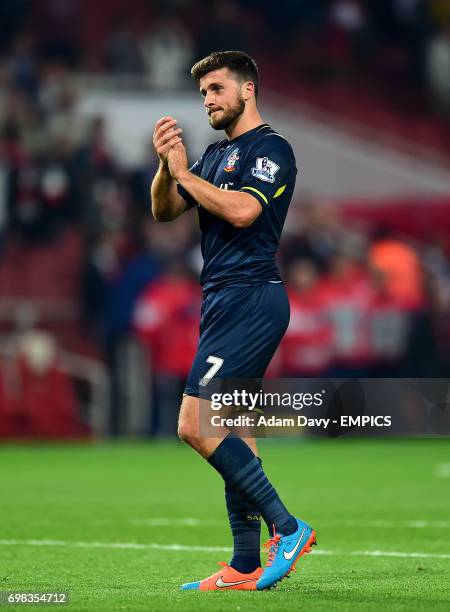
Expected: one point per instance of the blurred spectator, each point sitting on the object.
(26, 214)
(101, 193)
(95, 154)
(139, 180)
(58, 104)
(166, 320)
(115, 274)
(167, 51)
(428, 350)
(316, 234)
(319, 232)
(347, 34)
(389, 327)
(167, 302)
(122, 50)
(307, 347)
(400, 266)
(348, 297)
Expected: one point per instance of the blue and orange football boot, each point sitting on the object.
(284, 552)
(226, 579)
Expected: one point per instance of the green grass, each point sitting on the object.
(359, 495)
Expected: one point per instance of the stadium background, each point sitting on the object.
(99, 305)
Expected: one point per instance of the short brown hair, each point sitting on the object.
(238, 62)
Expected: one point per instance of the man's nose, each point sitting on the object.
(209, 100)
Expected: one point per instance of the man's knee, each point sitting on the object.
(186, 431)
(188, 420)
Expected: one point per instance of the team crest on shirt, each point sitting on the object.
(265, 169)
(231, 161)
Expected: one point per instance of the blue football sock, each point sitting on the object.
(245, 523)
(240, 468)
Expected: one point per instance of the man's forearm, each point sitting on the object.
(167, 203)
(239, 209)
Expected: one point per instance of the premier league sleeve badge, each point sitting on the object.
(265, 169)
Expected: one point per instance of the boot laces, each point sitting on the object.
(272, 547)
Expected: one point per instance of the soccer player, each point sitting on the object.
(242, 187)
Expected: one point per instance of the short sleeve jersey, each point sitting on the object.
(260, 162)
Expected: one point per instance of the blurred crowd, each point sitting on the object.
(366, 299)
(377, 43)
(363, 303)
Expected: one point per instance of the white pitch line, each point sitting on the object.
(196, 522)
(184, 548)
(410, 555)
(425, 524)
(123, 545)
(413, 524)
(168, 522)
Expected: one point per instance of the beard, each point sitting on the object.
(227, 117)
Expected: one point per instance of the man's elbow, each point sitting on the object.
(161, 217)
(161, 212)
(243, 219)
(157, 216)
(246, 213)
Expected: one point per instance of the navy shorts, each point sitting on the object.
(240, 330)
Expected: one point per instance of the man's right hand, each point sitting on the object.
(165, 136)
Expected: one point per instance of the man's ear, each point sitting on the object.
(248, 90)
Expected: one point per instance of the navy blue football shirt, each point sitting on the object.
(260, 162)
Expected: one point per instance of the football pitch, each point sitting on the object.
(121, 526)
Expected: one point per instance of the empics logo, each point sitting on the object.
(363, 421)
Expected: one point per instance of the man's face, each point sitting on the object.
(222, 98)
